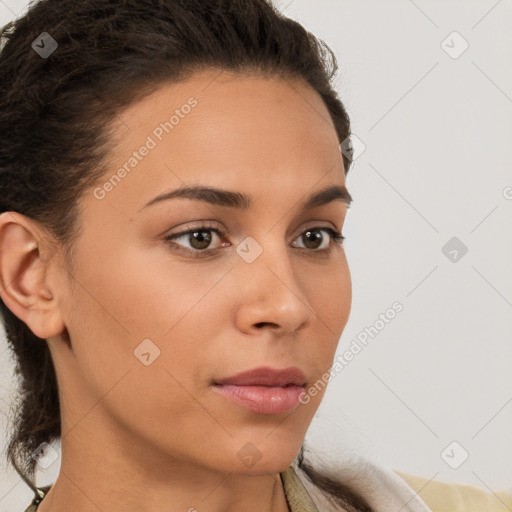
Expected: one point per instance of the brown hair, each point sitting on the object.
(56, 111)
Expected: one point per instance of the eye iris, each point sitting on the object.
(198, 236)
(315, 235)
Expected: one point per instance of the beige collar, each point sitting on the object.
(296, 494)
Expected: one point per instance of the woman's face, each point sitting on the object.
(154, 323)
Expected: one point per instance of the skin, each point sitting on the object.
(158, 437)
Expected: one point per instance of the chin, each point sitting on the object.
(264, 458)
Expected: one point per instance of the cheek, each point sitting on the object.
(125, 301)
(137, 295)
(131, 297)
(329, 292)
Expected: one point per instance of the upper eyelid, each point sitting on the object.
(215, 227)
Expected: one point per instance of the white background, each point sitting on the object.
(437, 164)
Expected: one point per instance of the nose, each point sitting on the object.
(270, 294)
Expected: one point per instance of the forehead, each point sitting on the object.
(237, 131)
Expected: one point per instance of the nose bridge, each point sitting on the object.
(270, 281)
(268, 255)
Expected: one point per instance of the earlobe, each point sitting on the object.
(23, 276)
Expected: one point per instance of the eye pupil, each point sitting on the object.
(316, 236)
(204, 241)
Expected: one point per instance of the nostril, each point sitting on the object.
(261, 324)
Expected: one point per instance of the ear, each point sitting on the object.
(25, 256)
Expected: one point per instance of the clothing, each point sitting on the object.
(447, 497)
(385, 491)
(390, 491)
(40, 494)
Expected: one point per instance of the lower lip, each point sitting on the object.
(263, 399)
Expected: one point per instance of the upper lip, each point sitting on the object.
(266, 376)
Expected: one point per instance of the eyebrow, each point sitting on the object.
(242, 201)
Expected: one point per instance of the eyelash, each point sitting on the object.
(337, 238)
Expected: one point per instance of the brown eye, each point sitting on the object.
(313, 239)
(197, 240)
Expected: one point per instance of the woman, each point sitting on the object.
(173, 278)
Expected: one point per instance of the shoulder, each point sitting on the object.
(452, 497)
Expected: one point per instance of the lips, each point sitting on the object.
(266, 376)
(264, 390)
